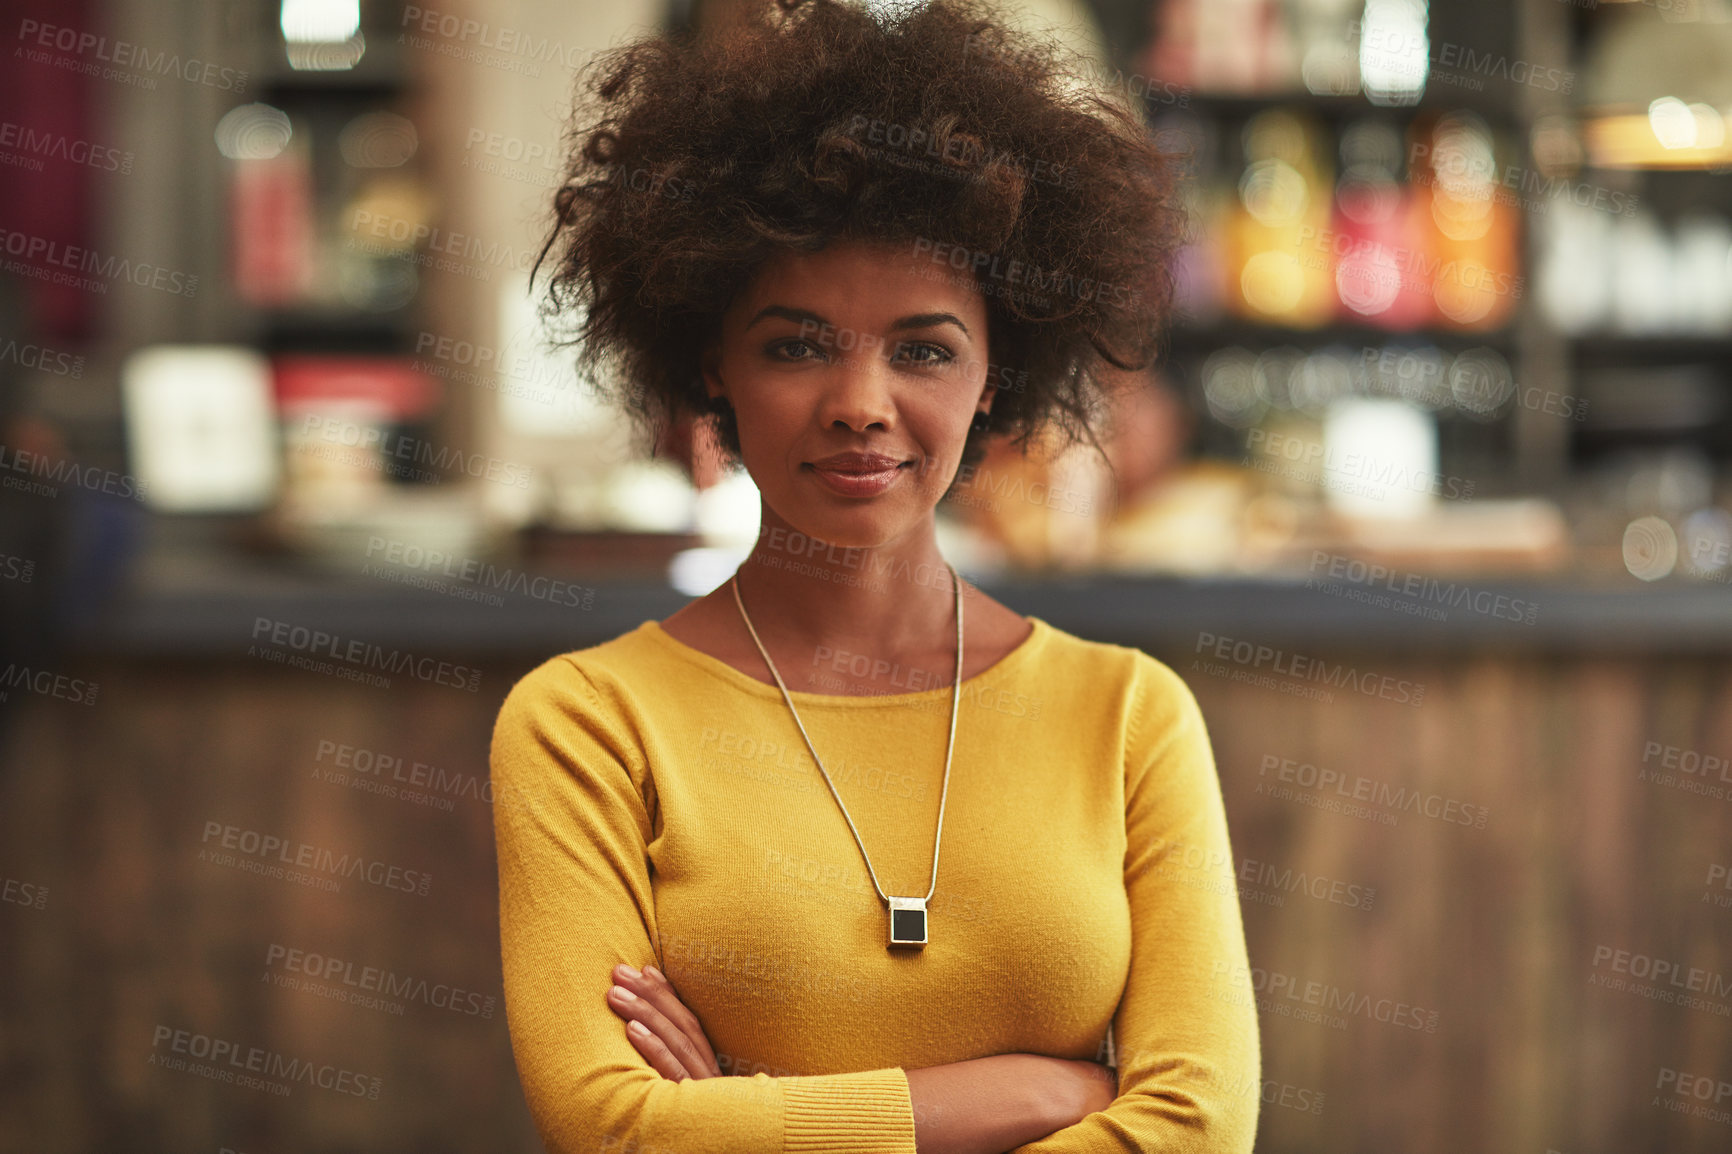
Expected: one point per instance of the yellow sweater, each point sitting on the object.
(655, 805)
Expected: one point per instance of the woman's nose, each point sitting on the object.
(858, 392)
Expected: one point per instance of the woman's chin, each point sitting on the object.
(827, 527)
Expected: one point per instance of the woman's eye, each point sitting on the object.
(788, 350)
(927, 354)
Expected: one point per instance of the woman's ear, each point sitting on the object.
(987, 393)
(710, 368)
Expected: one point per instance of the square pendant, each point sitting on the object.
(908, 922)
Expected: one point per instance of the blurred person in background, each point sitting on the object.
(1169, 510)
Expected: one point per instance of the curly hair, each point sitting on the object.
(980, 147)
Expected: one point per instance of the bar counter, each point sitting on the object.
(197, 609)
(1586, 751)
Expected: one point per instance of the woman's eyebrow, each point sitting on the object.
(917, 321)
(927, 320)
(787, 314)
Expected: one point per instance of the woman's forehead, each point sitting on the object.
(882, 281)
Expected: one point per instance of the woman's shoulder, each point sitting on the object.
(582, 677)
(1068, 655)
(1102, 685)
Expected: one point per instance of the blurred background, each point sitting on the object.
(1430, 502)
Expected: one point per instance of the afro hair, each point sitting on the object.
(694, 158)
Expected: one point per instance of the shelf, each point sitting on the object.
(1646, 351)
(1230, 106)
(326, 331)
(1200, 338)
(382, 75)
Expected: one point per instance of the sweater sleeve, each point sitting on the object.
(572, 823)
(1185, 1032)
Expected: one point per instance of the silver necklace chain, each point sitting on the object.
(950, 748)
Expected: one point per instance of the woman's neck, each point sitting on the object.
(887, 601)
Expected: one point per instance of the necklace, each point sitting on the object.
(907, 914)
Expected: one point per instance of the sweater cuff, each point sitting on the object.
(864, 1113)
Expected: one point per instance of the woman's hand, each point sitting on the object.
(659, 1025)
(1085, 1088)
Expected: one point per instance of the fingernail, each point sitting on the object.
(654, 973)
(623, 994)
(630, 972)
(638, 1028)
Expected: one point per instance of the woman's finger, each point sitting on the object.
(655, 1052)
(683, 1033)
(665, 998)
(665, 1033)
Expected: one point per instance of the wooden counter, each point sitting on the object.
(1499, 934)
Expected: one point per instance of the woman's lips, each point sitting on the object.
(853, 483)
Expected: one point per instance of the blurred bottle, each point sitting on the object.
(1702, 264)
(1641, 276)
(1328, 56)
(270, 205)
(374, 236)
(1475, 274)
(1380, 232)
(379, 176)
(1229, 47)
(1279, 254)
(1573, 275)
(1200, 279)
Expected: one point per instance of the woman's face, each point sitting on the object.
(853, 379)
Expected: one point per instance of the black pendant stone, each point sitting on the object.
(908, 925)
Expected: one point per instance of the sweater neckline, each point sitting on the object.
(1009, 663)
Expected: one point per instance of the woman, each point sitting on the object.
(723, 918)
